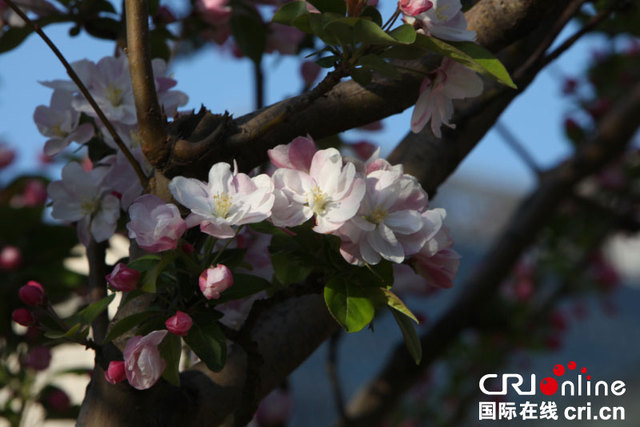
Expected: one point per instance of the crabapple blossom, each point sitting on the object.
(23, 317)
(32, 293)
(329, 191)
(123, 278)
(215, 12)
(444, 20)
(283, 39)
(228, 199)
(414, 7)
(58, 400)
(7, 155)
(142, 361)
(80, 196)
(450, 81)
(34, 194)
(156, 226)
(296, 155)
(179, 324)
(120, 176)
(60, 122)
(10, 258)
(115, 373)
(437, 261)
(215, 280)
(38, 358)
(390, 223)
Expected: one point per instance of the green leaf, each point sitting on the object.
(411, 338)
(327, 61)
(250, 33)
(402, 52)
(374, 62)
(349, 304)
(170, 350)
(244, 285)
(369, 32)
(54, 335)
(469, 54)
(289, 12)
(362, 76)
(145, 263)
(150, 277)
(333, 6)
(13, 37)
(128, 323)
(393, 301)
(340, 31)
(404, 34)
(372, 12)
(208, 342)
(288, 270)
(88, 314)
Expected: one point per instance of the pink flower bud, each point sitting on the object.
(10, 258)
(123, 278)
(23, 317)
(32, 293)
(214, 280)
(38, 358)
(115, 372)
(142, 361)
(33, 195)
(414, 7)
(179, 324)
(310, 71)
(59, 401)
(187, 248)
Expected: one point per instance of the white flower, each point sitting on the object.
(330, 191)
(451, 81)
(120, 177)
(60, 122)
(228, 199)
(444, 20)
(391, 222)
(80, 197)
(156, 226)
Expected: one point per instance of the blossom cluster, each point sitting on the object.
(93, 197)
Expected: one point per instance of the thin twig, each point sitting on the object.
(258, 76)
(515, 144)
(586, 28)
(83, 89)
(150, 120)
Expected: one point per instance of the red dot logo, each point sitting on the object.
(572, 365)
(558, 370)
(583, 370)
(548, 386)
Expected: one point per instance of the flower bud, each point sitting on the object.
(59, 401)
(32, 293)
(179, 324)
(123, 278)
(115, 372)
(38, 358)
(23, 317)
(214, 280)
(10, 258)
(7, 156)
(187, 248)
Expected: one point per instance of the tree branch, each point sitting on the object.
(614, 133)
(151, 124)
(98, 286)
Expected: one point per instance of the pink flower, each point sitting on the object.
(414, 7)
(364, 149)
(142, 361)
(437, 261)
(115, 373)
(330, 192)
(215, 280)
(10, 258)
(284, 39)
(310, 72)
(34, 194)
(295, 155)
(32, 293)
(228, 199)
(38, 358)
(123, 278)
(23, 317)
(451, 81)
(215, 12)
(179, 323)
(156, 226)
(59, 401)
(7, 156)
(275, 409)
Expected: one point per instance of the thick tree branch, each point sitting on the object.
(151, 124)
(614, 133)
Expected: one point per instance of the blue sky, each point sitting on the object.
(221, 82)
